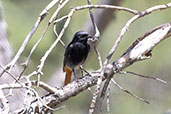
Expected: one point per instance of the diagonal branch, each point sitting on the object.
(125, 28)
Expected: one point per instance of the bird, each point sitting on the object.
(75, 54)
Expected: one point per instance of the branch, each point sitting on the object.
(148, 42)
(125, 28)
(25, 85)
(144, 76)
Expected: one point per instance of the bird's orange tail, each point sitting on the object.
(67, 75)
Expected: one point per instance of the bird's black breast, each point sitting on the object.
(76, 53)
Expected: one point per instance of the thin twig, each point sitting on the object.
(96, 30)
(10, 86)
(95, 95)
(55, 26)
(108, 7)
(60, 19)
(108, 99)
(99, 58)
(96, 36)
(27, 85)
(55, 23)
(99, 82)
(55, 31)
(40, 67)
(43, 59)
(40, 102)
(121, 88)
(45, 30)
(140, 75)
(37, 43)
(102, 96)
(81, 67)
(11, 75)
(44, 86)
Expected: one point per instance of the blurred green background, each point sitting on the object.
(21, 15)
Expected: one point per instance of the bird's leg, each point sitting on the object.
(74, 73)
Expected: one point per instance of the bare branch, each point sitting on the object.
(10, 74)
(44, 86)
(125, 28)
(103, 93)
(107, 6)
(43, 59)
(121, 88)
(99, 58)
(146, 44)
(140, 75)
(95, 95)
(108, 99)
(99, 81)
(24, 85)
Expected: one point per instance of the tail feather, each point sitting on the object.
(67, 75)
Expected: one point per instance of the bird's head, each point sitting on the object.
(81, 35)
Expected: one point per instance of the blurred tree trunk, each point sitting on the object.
(6, 54)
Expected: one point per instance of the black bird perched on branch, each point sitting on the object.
(75, 54)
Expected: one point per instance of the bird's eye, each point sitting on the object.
(84, 35)
(81, 34)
